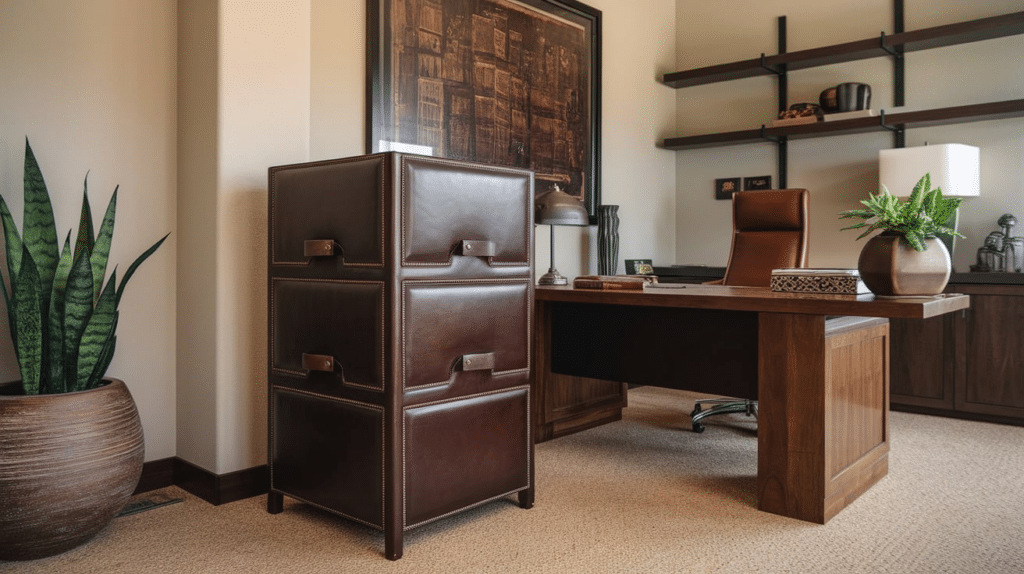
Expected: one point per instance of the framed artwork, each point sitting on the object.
(758, 182)
(506, 82)
(639, 267)
(725, 187)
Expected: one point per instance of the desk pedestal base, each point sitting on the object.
(823, 412)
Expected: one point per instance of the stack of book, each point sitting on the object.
(614, 282)
(816, 280)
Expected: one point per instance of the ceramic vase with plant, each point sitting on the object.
(907, 258)
(71, 444)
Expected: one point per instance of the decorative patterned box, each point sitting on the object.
(812, 280)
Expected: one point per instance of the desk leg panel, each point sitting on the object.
(791, 415)
(823, 413)
(565, 404)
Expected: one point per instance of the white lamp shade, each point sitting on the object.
(955, 168)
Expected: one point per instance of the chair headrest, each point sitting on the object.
(770, 210)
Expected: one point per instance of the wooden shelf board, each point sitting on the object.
(908, 120)
(927, 38)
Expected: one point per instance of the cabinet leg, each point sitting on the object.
(526, 498)
(275, 502)
(393, 545)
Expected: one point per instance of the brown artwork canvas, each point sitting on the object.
(506, 82)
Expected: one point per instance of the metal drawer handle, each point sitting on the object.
(474, 248)
(319, 248)
(318, 362)
(478, 362)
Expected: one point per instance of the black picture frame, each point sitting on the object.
(469, 80)
(757, 182)
(639, 267)
(725, 187)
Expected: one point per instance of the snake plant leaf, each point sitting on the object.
(135, 265)
(55, 349)
(101, 247)
(84, 241)
(12, 241)
(96, 333)
(106, 355)
(39, 231)
(27, 322)
(77, 309)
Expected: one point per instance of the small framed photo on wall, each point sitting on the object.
(724, 188)
(758, 182)
(639, 267)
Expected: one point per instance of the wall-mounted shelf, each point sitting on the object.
(883, 45)
(894, 46)
(904, 120)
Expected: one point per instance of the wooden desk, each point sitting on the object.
(822, 385)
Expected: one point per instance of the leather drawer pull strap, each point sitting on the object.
(319, 247)
(478, 362)
(318, 362)
(475, 248)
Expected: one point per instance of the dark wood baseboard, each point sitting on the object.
(216, 489)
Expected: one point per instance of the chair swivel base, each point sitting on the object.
(722, 406)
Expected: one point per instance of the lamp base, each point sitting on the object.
(552, 277)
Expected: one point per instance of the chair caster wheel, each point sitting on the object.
(698, 427)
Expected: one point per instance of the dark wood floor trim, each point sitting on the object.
(216, 489)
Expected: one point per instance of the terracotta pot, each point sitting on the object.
(889, 266)
(68, 463)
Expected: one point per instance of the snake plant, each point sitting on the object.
(62, 315)
(925, 214)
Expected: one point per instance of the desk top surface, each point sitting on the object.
(761, 300)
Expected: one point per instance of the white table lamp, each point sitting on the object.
(954, 168)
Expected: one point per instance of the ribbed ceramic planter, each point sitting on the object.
(889, 266)
(68, 463)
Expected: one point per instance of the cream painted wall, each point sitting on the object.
(246, 77)
(839, 170)
(92, 84)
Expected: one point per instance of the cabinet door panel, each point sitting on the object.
(920, 369)
(994, 370)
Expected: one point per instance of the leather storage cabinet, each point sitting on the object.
(400, 320)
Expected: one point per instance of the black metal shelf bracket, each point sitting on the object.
(899, 131)
(773, 69)
(773, 139)
(889, 50)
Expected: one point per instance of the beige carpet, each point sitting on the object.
(641, 495)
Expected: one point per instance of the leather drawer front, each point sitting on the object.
(338, 200)
(446, 324)
(329, 453)
(446, 203)
(463, 452)
(343, 320)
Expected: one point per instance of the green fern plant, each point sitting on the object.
(62, 316)
(925, 214)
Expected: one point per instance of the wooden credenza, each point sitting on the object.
(968, 364)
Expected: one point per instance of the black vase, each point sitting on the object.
(607, 239)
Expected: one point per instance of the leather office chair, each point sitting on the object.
(769, 232)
